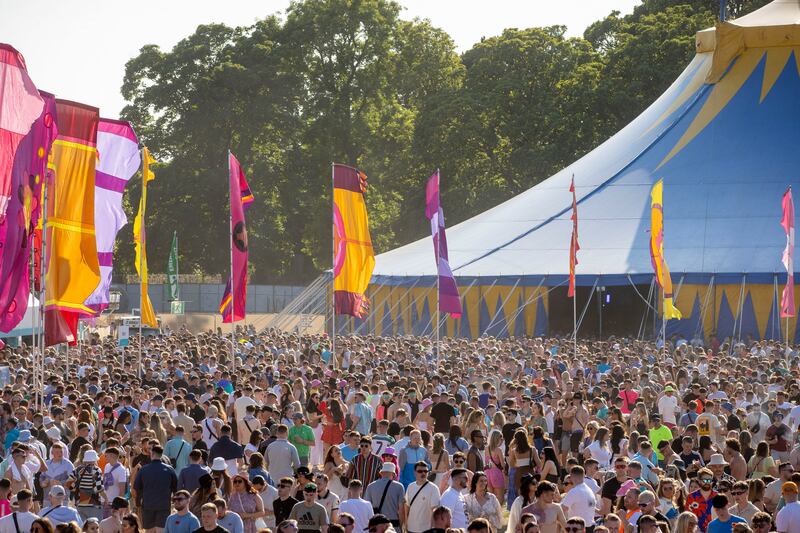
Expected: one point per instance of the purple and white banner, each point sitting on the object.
(449, 301)
(118, 160)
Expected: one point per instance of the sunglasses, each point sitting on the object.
(573, 528)
(644, 504)
(238, 481)
(620, 467)
(459, 461)
(365, 446)
(422, 471)
(309, 491)
(707, 480)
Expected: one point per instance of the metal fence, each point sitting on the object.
(205, 297)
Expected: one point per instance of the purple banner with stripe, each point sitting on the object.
(118, 160)
(449, 301)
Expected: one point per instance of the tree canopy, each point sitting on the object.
(351, 81)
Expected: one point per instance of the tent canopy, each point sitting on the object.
(726, 150)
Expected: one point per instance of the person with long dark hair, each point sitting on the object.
(480, 503)
(333, 424)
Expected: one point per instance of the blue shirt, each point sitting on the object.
(181, 524)
(177, 449)
(232, 522)
(190, 476)
(348, 453)
(161, 482)
(364, 414)
(717, 526)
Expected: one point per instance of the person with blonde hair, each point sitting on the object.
(686, 523)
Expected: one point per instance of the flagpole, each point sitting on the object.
(141, 257)
(333, 268)
(438, 259)
(233, 296)
(575, 324)
(43, 275)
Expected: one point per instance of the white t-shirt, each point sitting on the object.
(360, 509)
(581, 501)
(788, 519)
(667, 406)
(454, 500)
(23, 519)
(268, 496)
(421, 513)
(119, 474)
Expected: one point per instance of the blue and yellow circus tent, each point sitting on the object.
(725, 138)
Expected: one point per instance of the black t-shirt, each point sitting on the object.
(76, 447)
(610, 488)
(508, 433)
(691, 457)
(441, 413)
(218, 529)
(283, 508)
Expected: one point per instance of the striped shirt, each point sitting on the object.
(366, 469)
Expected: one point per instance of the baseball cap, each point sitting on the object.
(789, 486)
(377, 520)
(57, 490)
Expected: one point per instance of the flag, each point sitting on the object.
(241, 198)
(172, 270)
(147, 315)
(73, 272)
(787, 221)
(24, 215)
(118, 160)
(449, 301)
(573, 245)
(354, 258)
(20, 106)
(657, 249)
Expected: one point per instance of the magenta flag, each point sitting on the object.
(20, 106)
(241, 198)
(118, 159)
(23, 212)
(787, 221)
(449, 301)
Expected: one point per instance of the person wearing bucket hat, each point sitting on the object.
(87, 481)
(668, 407)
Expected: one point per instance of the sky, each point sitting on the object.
(78, 50)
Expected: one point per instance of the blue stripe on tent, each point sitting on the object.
(585, 280)
(416, 327)
(540, 328)
(499, 324)
(725, 320)
(463, 323)
(687, 327)
(519, 322)
(773, 330)
(426, 324)
(387, 326)
(483, 317)
(747, 320)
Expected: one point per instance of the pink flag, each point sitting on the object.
(787, 221)
(23, 213)
(573, 245)
(118, 159)
(449, 301)
(241, 197)
(20, 106)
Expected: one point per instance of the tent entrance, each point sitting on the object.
(613, 310)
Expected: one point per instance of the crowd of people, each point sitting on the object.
(395, 434)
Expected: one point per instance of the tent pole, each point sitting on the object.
(575, 325)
